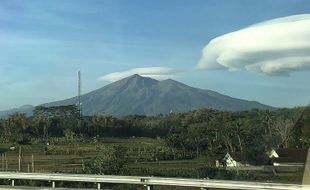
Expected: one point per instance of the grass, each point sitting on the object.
(69, 157)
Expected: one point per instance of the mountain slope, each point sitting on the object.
(146, 96)
(27, 109)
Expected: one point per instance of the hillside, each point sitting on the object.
(27, 109)
(147, 96)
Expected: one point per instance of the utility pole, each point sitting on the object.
(79, 94)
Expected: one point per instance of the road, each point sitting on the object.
(151, 181)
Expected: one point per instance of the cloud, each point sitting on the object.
(159, 73)
(275, 47)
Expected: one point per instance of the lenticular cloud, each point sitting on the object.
(276, 47)
(159, 73)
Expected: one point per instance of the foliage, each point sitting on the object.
(187, 135)
(112, 160)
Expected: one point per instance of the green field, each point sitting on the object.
(70, 157)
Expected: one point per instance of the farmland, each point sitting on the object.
(176, 145)
(68, 157)
(71, 157)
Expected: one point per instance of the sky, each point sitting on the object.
(254, 50)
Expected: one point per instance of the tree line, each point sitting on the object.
(203, 131)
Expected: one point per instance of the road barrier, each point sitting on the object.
(149, 182)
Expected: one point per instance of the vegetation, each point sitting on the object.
(181, 145)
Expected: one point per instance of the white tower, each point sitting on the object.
(79, 103)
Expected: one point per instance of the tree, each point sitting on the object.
(239, 133)
(7, 133)
(197, 137)
(283, 129)
(56, 111)
(112, 161)
(301, 130)
(16, 125)
(227, 136)
(69, 135)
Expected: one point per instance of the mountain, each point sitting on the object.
(27, 109)
(146, 96)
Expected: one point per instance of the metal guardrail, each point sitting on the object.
(149, 182)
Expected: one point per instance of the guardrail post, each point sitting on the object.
(13, 182)
(149, 187)
(53, 184)
(19, 159)
(98, 185)
(32, 163)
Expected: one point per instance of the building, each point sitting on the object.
(288, 157)
(233, 159)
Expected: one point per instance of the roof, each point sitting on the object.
(237, 156)
(290, 155)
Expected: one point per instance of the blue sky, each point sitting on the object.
(44, 43)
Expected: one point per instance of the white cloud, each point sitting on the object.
(276, 47)
(159, 73)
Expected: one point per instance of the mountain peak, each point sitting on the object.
(135, 76)
(146, 96)
(137, 80)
